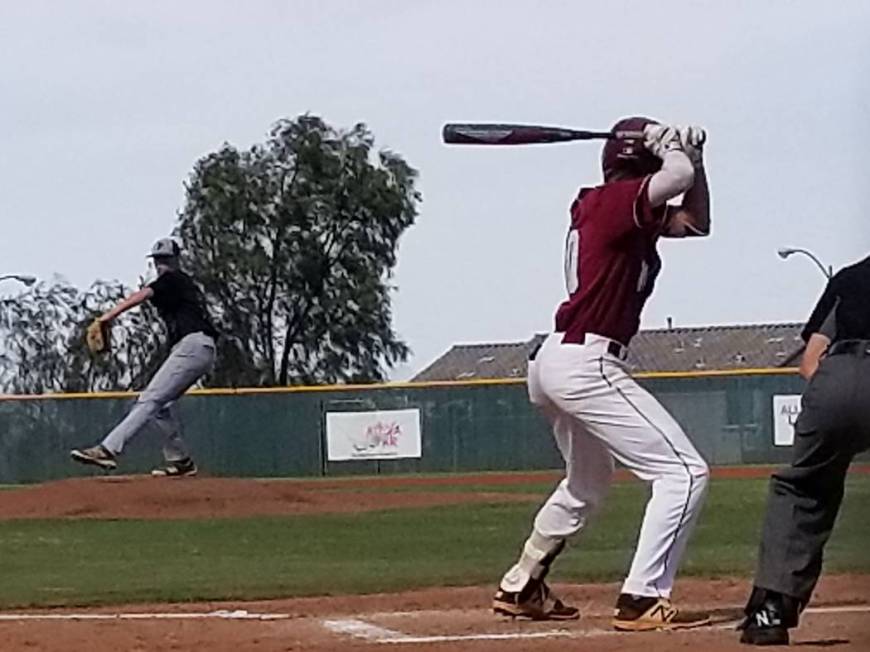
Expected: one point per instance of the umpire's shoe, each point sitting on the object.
(644, 614)
(536, 602)
(95, 456)
(769, 616)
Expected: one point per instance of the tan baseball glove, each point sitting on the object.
(99, 336)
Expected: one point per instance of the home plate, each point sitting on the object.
(361, 629)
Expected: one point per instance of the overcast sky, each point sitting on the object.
(105, 106)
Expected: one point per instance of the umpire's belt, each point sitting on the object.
(855, 347)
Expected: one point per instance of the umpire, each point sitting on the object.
(833, 426)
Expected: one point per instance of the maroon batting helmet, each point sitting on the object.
(627, 157)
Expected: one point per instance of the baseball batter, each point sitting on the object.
(579, 379)
(180, 304)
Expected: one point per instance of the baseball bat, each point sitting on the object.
(455, 133)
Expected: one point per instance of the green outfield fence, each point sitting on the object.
(470, 426)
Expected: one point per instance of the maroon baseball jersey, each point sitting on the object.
(611, 261)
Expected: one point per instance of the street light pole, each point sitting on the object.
(785, 252)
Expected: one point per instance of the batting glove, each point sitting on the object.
(661, 139)
(692, 139)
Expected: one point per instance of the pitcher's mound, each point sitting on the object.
(166, 498)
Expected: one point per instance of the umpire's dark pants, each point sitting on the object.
(833, 426)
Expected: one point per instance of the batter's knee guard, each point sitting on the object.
(538, 554)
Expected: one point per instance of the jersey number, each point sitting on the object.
(572, 261)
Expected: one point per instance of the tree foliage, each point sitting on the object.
(42, 346)
(293, 242)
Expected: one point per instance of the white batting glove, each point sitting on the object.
(661, 139)
(692, 139)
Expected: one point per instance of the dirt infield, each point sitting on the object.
(145, 497)
(449, 619)
(158, 498)
(453, 620)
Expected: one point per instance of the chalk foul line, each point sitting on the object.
(221, 614)
(360, 629)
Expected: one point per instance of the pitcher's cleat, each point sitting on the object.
(95, 456)
(177, 469)
(644, 614)
(535, 602)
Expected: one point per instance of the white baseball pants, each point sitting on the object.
(599, 413)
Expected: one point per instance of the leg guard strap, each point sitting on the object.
(538, 554)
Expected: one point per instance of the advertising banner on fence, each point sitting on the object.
(786, 408)
(385, 435)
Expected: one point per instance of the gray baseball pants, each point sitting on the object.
(189, 359)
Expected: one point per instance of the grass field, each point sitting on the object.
(80, 562)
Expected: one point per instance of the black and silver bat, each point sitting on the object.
(455, 133)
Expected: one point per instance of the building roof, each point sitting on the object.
(750, 346)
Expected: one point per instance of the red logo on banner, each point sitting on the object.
(380, 435)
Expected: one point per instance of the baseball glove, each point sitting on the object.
(98, 336)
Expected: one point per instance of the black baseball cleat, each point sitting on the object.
(536, 602)
(177, 469)
(95, 456)
(767, 622)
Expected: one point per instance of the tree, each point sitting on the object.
(33, 346)
(138, 344)
(42, 347)
(294, 242)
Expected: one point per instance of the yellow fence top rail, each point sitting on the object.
(245, 391)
